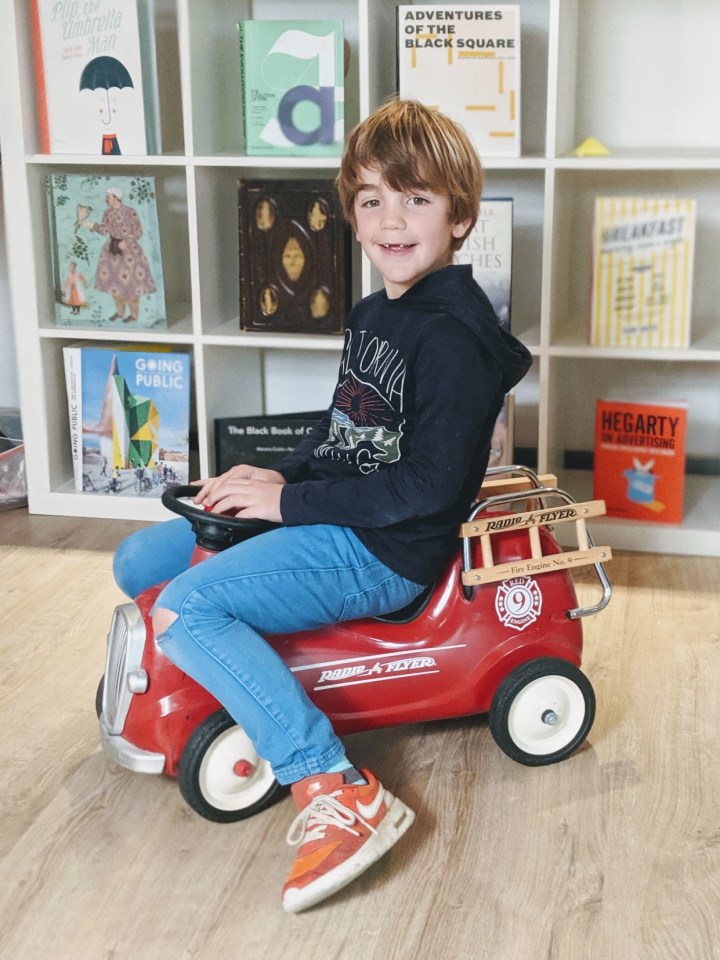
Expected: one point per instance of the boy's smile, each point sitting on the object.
(405, 234)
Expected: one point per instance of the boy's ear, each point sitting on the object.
(460, 229)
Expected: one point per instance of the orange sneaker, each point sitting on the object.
(341, 830)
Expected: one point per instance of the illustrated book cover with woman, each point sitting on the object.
(105, 246)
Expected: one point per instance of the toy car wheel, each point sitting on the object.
(542, 711)
(99, 696)
(221, 775)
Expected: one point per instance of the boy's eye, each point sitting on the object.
(417, 201)
(370, 202)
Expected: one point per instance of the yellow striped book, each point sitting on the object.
(643, 251)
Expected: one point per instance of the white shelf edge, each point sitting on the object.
(273, 341)
(96, 160)
(654, 355)
(96, 506)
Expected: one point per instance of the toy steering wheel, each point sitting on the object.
(213, 531)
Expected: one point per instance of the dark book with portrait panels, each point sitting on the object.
(294, 257)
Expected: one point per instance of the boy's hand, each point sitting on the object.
(245, 491)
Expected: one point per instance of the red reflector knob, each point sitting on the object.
(243, 768)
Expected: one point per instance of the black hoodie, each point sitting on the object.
(400, 454)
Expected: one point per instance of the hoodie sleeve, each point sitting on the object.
(458, 392)
(293, 465)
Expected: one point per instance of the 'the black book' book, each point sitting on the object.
(261, 440)
(294, 257)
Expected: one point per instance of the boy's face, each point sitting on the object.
(406, 234)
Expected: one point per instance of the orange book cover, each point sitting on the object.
(639, 464)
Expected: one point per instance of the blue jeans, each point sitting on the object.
(285, 580)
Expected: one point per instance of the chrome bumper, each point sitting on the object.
(126, 755)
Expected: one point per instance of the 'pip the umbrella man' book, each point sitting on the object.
(105, 251)
(96, 78)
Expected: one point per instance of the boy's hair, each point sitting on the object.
(414, 147)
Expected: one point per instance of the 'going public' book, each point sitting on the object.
(464, 59)
(96, 76)
(105, 251)
(293, 87)
(129, 416)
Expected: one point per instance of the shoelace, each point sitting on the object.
(323, 811)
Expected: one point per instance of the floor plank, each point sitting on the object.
(612, 854)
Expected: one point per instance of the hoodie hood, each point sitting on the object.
(467, 301)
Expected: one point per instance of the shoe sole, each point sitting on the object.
(393, 825)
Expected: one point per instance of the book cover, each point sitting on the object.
(643, 251)
(465, 61)
(261, 440)
(105, 251)
(294, 257)
(93, 76)
(293, 87)
(488, 249)
(639, 459)
(129, 415)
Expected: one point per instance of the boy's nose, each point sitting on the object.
(393, 217)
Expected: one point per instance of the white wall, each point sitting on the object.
(9, 391)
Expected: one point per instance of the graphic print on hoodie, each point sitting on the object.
(364, 425)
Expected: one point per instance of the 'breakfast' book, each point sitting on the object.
(643, 251)
(639, 459)
(105, 251)
(465, 61)
(129, 414)
(95, 76)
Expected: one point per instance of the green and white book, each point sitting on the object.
(293, 87)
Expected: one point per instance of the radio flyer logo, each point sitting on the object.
(518, 602)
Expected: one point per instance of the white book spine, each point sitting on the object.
(73, 382)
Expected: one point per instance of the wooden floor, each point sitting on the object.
(612, 855)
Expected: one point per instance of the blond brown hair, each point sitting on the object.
(414, 147)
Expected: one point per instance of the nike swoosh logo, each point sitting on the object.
(370, 810)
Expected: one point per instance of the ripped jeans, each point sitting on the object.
(282, 581)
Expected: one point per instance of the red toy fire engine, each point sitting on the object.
(499, 633)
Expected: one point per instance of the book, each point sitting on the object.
(262, 440)
(95, 76)
(294, 257)
(639, 459)
(105, 251)
(643, 250)
(465, 61)
(129, 417)
(293, 87)
(488, 249)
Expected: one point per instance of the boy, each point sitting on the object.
(370, 501)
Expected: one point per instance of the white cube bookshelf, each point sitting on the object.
(638, 75)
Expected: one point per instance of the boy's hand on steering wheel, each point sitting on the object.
(245, 491)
